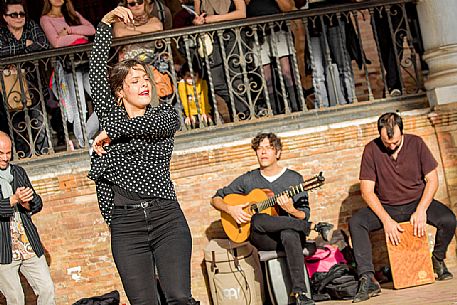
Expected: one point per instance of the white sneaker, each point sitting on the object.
(395, 92)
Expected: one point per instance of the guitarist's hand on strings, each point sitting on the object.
(239, 214)
(286, 203)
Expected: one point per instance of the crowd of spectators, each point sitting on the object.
(222, 71)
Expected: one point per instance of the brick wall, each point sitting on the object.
(77, 240)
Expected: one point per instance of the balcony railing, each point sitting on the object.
(339, 55)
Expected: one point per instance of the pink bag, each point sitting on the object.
(79, 41)
(324, 258)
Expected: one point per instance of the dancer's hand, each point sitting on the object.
(100, 142)
(119, 14)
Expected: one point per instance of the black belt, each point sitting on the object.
(143, 204)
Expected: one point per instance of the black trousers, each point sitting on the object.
(283, 233)
(145, 238)
(388, 55)
(233, 82)
(365, 221)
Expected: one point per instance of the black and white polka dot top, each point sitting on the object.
(138, 158)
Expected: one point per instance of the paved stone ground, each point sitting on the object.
(438, 293)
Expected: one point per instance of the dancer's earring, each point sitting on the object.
(120, 101)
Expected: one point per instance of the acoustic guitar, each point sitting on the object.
(260, 202)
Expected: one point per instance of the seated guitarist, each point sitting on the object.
(289, 229)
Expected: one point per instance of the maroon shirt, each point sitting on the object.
(398, 181)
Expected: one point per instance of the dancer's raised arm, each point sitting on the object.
(103, 99)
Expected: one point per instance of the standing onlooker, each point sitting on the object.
(22, 36)
(275, 43)
(159, 10)
(143, 21)
(392, 19)
(184, 17)
(213, 11)
(333, 45)
(20, 245)
(398, 180)
(65, 27)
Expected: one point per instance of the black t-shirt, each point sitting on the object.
(245, 183)
(258, 8)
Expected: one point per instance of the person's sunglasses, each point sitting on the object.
(20, 14)
(135, 3)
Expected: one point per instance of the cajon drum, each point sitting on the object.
(410, 261)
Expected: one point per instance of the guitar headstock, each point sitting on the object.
(314, 182)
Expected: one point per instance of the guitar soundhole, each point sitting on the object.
(254, 208)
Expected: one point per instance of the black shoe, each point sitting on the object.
(368, 287)
(302, 299)
(324, 229)
(439, 267)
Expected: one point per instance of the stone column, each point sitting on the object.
(438, 21)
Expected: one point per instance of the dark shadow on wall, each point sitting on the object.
(350, 205)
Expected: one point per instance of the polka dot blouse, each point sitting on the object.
(138, 159)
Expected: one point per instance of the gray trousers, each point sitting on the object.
(333, 82)
(36, 271)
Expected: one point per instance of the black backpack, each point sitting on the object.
(338, 283)
(342, 288)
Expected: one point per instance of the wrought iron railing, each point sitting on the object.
(339, 54)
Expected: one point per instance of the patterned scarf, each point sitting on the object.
(6, 180)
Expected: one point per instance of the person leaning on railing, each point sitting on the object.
(279, 39)
(213, 11)
(20, 35)
(63, 27)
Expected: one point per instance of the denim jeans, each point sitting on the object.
(283, 233)
(143, 239)
(365, 221)
(36, 271)
(333, 45)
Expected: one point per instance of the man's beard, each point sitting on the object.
(392, 151)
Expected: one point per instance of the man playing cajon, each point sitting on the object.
(398, 180)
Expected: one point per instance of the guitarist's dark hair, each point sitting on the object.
(275, 141)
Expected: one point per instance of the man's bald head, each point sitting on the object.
(4, 135)
(5, 150)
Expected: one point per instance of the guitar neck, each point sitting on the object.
(290, 192)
